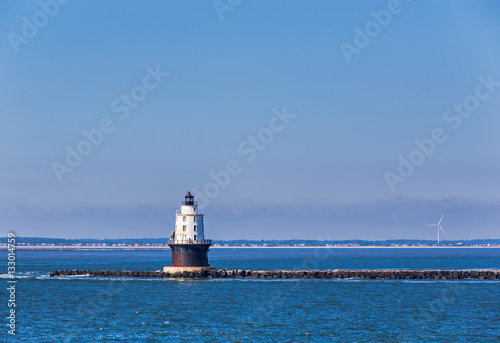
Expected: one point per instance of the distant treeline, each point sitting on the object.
(239, 242)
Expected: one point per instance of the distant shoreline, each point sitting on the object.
(147, 248)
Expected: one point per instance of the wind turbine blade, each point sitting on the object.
(442, 229)
(432, 225)
(441, 219)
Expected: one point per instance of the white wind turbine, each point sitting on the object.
(439, 227)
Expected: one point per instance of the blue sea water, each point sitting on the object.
(80, 309)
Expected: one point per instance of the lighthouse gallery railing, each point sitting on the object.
(189, 241)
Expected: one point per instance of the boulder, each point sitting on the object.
(301, 274)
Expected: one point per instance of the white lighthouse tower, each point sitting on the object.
(188, 223)
(187, 241)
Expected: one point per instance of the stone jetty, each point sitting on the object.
(295, 274)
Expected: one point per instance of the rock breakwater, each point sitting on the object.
(296, 274)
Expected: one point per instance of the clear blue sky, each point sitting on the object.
(322, 177)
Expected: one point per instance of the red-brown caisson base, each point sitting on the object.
(189, 255)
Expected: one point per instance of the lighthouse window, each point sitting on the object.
(183, 227)
(195, 218)
(195, 228)
(183, 219)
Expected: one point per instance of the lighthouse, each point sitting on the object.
(187, 241)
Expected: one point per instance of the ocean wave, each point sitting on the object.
(16, 276)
